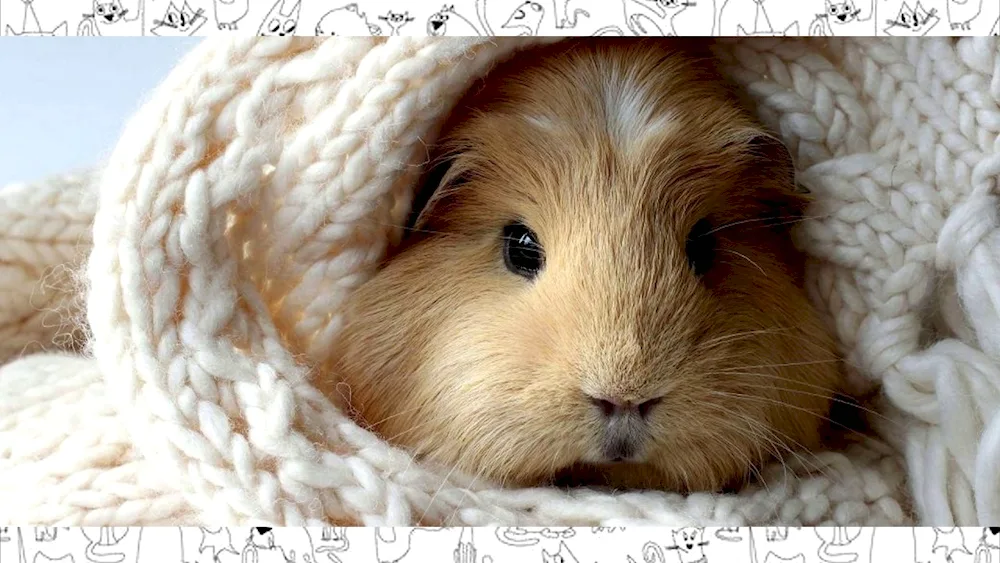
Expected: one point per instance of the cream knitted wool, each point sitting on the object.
(260, 183)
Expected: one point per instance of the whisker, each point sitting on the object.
(772, 437)
(807, 393)
(770, 221)
(769, 400)
(785, 365)
(747, 258)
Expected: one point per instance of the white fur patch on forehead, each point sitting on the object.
(629, 112)
(543, 122)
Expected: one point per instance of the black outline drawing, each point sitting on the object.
(657, 15)
(841, 546)
(341, 21)
(397, 21)
(912, 22)
(270, 26)
(179, 22)
(843, 18)
(105, 548)
(692, 548)
(47, 533)
(346, 21)
(37, 31)
(729, 534)
(988, 550)
(568, 19)
(521, 537)
(774, 533)
(45, 544)
(995, 32)
(229, 13)
(438, 22)
(43, 558)
(964, 14)
(397, 546)
(111, 15)
(531, 16)
(762, 26)
(528, 15)
(333, 540)
(562, 555)
(951, 540)
(223, 543)
(466, 550)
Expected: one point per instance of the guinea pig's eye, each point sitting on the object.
(522, 254)
(700, 247)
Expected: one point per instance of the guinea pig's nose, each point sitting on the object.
(616, 408)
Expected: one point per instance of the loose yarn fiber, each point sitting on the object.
(264, 179)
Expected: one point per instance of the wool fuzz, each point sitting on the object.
(265, 178)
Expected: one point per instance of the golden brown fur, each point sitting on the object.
(448, 353)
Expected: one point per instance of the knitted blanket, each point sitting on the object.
(262, 181)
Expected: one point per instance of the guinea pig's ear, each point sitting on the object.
(783, 199)
(442, 178)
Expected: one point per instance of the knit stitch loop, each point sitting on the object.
(969, 223)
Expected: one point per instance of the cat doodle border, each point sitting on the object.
(200, 18)
(498, 545)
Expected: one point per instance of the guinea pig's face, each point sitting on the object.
(600, 286)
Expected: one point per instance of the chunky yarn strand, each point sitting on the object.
(263, 181)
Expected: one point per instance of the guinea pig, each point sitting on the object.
(598, 285)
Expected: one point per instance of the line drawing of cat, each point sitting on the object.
(35, 25)
(666, 11)
(447, 21)
(527, 16)
(229, 13)
(396, 21)
(346, 21)
(218, 539)
(762, 26)
(562, 555)
(949, 540)
(4, 534)
(912, 22)
(179, 22)
(843, 18)
(281, 21)
(109, 19)
(962, 12)
(689, 543)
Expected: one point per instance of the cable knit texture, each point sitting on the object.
(262, 182)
